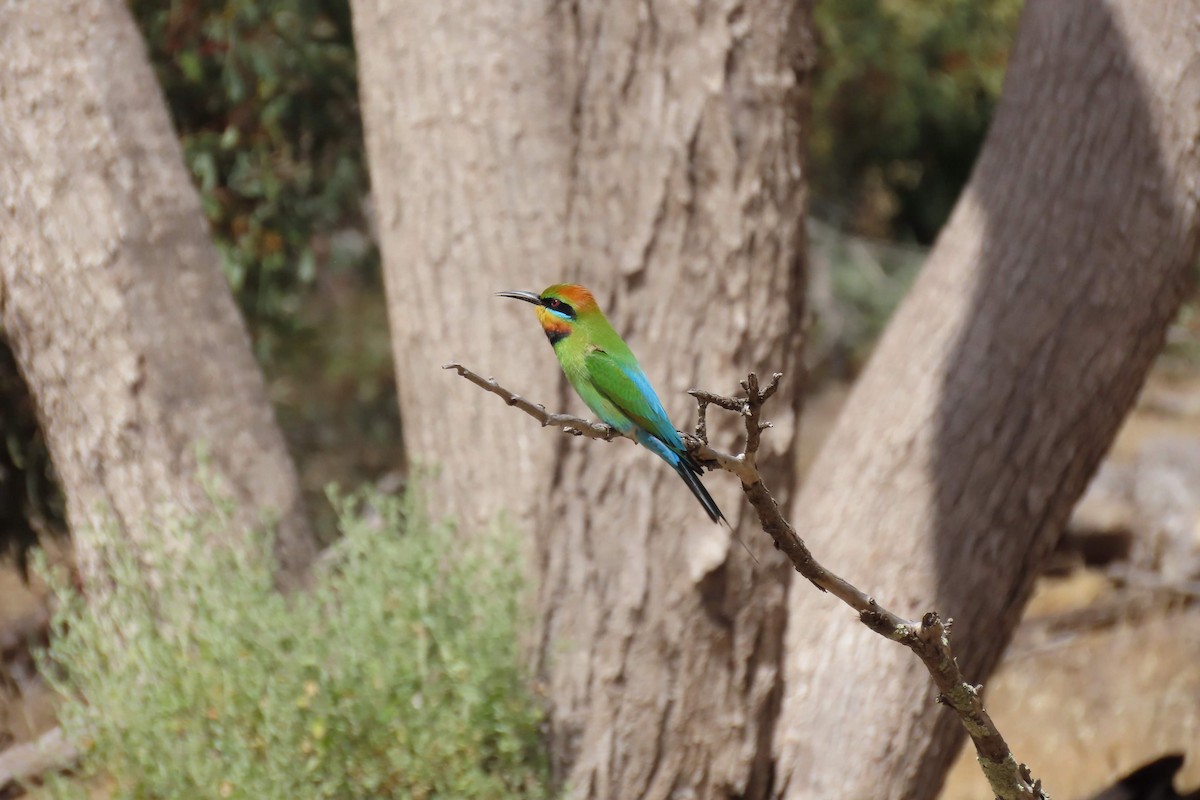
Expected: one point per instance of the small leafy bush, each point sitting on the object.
(397, 675)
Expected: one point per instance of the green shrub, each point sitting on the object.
(397, 675)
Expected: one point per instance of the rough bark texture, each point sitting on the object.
(111, 293)
(999, 385)
(467, 129)
(661, 636)
(650, 150)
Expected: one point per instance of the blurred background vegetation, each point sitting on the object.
(264, 98)
(902, 99)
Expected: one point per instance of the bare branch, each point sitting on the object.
(576, 426)
(929, 639)
(727, 403)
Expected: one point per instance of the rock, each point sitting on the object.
(1102, 525)
(1166, 493)
(1091, 707)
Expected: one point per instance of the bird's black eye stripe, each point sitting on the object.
(554, 304)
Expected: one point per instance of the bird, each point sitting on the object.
(606, 375)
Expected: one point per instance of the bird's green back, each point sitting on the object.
(607, 376)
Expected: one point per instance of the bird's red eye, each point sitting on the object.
(559, 307)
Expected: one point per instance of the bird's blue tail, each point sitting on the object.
(688, 469)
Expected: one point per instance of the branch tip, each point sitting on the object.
(766, 393)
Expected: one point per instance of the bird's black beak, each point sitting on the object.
(528, 297)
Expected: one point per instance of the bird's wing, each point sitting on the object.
(626, 388)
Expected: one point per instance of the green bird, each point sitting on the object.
(606, 374)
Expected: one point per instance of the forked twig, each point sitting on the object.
(929, 638)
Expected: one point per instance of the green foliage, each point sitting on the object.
(397, 676)
(902, 98)
(264, 97)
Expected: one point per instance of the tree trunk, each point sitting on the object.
(111, 293)
(467, 129)
(660, 636)
(650, 151)
(998, 386)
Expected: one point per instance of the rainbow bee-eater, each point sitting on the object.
(606, 375)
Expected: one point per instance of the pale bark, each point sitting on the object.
(998, 386)
(467, 129)
(111, 293)
(650, 150)
(687, 213)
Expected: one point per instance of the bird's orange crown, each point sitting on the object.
(574, 295)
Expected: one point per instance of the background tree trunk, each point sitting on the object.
(650, 151)
(467, 129)
(111, 294)
(998, 386)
